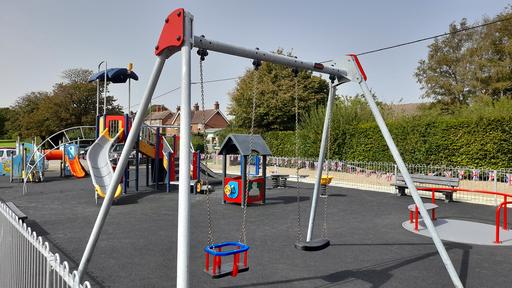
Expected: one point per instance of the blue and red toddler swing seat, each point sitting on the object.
(218, 269)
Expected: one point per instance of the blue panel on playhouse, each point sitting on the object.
(231, 190)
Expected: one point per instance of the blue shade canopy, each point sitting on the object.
(114, 75)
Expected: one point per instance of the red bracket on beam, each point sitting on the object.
(356, 60)
(172, 33)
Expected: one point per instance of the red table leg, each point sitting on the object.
(416, 224)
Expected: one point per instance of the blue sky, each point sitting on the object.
(40, 39)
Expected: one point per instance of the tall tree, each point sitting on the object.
(26, 120)
(76, 75)
(5, 115)
(493, 73)
(469, 64)
(275, 96)
(444, 75)
(72, 103)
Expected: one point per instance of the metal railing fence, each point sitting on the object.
(379, 176)
(26, 260)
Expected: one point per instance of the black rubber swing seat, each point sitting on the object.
(313, 245)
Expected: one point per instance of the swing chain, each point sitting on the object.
(203, 53)
(243, 233)
(295, 72)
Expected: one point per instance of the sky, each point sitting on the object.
(40, 39)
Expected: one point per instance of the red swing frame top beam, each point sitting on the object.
(171, 37)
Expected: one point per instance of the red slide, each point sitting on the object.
(74, 165)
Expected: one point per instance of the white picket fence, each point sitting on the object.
(26, 260)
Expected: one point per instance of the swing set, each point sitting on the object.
(216, 268)
(177, 36)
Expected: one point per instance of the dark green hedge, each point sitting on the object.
(281, 143)
(484, 142)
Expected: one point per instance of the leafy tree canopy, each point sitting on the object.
(5, 115)
(275, 96)
(71, 103)
(469, 64)
(76, 75)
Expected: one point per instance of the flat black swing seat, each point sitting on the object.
(313, 245)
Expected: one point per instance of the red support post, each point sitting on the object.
(195, 169)
(173, 167)
(410, 217)
(433, 202)
(220, 259)
(215, 264)
(505, 214)
(498, 212)
(207, 266)
(416, 216)
(236, 257)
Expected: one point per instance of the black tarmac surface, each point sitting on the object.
(369, 246)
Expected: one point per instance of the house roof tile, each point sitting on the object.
(159, 115)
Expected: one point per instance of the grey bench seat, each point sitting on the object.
(451, 182)
(279, 180)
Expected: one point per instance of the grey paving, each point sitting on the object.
(463, 231)
(369, 246)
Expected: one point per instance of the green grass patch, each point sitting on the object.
(8, 143)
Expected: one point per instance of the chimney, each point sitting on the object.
(178, 108)
(216, 105)
(196, 107)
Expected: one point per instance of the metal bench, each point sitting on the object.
(400, 185)
(20, 215)
(279, 180)
(414, 213)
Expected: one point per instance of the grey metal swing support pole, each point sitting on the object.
(130, 141)
(321, 159)
(357, 75)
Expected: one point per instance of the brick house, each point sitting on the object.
(214, 119)
(159, 116)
